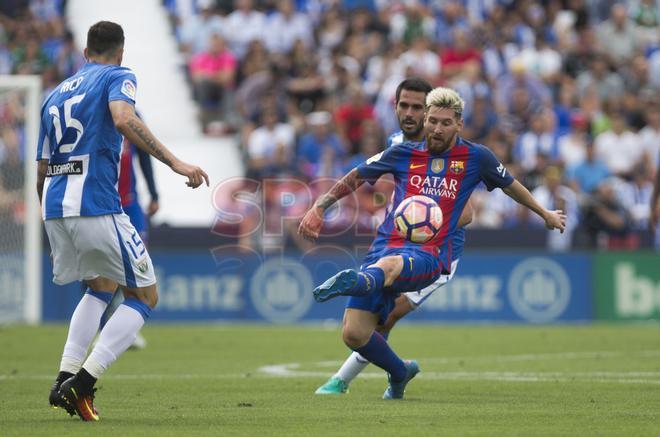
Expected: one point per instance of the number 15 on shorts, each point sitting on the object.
(136, 246)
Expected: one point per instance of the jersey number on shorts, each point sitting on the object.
(69, 122)
(136, 245)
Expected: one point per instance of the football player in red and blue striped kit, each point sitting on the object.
(447, 169)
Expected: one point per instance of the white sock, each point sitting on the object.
(352, 367)
(82, 329)
(117, 335)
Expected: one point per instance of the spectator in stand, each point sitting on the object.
(420, 61)
(618, 37)
(636, 196)
(538, 93)
(285, 27)
(243, 25)
(573, 146)
(213, 73)
(607, 84)
(410, 22)
(69, 59)
(540, 139)
(607, 220)
(587, 175)
(619, 147)
(650, 136)
(315, 142)
(456, 57)
(197, 29)
(553, 194)
(350, 116)
(270, 147)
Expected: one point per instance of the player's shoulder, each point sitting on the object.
(477, 148)
(395, 139)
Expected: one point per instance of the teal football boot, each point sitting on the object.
(396, 389)
(333, 386)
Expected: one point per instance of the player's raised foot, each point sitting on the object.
(80, 399)
(396, 389)
(333, 386)
(340, 284)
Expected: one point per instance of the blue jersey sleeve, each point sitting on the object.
(122, 85)
(379, 164)
(43, 146)
(492, 171)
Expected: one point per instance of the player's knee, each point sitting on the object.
(353, 338)
(391, 266)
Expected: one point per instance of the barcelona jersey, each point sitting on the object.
(449, 178)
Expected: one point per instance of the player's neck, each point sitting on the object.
(416, 138)
(103, 60)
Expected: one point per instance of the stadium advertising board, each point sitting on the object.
(247, 287)
(627, 286)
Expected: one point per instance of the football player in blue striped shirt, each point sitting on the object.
(91, 239)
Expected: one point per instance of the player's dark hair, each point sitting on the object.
(104, 38)
(413, 84)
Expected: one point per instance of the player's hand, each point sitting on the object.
(153, 207)
(310, 226)
(196, 176)
(555, 220)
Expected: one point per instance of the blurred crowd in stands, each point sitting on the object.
(565, 92)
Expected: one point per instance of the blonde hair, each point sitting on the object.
(446, 98)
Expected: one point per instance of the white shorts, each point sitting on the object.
(108, 246)
(417, 297)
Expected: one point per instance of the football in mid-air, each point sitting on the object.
(418, 219)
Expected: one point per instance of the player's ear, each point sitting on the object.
(85, 54)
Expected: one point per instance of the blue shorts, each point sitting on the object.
(420, 269)
(138, 219)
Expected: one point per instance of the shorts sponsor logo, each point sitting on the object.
(539, 290)
(280, 290)
(65, 169)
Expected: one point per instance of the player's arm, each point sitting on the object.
(466, 215)
(148, 172)
(553, 219)
(129, 124)
(655, 206)
(42, 169)
(310, 226)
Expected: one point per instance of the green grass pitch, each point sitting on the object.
(259, 380)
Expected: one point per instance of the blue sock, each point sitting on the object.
(379, 353)
(369, 281)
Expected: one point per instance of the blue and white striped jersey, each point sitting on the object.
(79, 139)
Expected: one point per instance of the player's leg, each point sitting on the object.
(115, 338)
(110, 247)
(360, 335)
(356, 363)
(82, 329)
(139, 221)
(369, 280)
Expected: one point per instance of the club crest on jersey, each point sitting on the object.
(457, 167)
(437, 165)
(128, 89)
